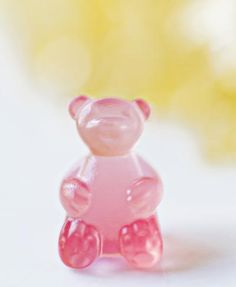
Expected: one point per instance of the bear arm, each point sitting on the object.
(144, 195)
(75, 196)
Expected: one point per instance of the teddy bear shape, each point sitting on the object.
(111, 195)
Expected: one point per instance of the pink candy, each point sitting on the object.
(111, 195)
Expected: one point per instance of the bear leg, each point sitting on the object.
(141, 243)
(79, 243)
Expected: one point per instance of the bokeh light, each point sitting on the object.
(178, 54)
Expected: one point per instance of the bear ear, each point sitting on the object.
(75, 104)
(144, 107)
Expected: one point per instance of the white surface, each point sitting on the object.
(38, 141)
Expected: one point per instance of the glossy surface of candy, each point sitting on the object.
(111, 195)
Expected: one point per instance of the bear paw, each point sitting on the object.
(79, 243)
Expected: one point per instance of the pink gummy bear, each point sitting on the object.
(111, 195)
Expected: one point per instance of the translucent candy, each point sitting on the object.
(111, 195)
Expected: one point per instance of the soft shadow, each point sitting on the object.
(180, 254)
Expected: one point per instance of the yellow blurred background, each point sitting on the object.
(179, 55)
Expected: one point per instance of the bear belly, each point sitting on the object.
(109, 210)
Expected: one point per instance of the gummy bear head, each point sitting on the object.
(109, 126)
